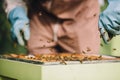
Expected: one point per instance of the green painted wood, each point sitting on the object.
(113, 48)
(19, 70)
(27, 71)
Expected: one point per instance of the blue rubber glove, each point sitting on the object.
(109, 20)
(20, 23)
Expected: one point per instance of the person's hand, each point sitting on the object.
(109, 20)
(20, 23)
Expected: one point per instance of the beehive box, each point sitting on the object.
(16, 70)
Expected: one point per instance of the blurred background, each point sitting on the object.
(8, 46)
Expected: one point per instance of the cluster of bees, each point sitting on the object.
(61, 57)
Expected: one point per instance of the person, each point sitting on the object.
(56, 26)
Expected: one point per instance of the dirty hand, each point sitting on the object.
(20, 23)
(109, 20)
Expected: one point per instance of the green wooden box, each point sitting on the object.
(16, 70)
